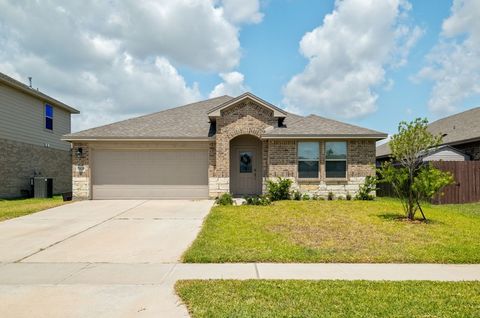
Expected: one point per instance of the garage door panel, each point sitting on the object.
(149, 191)
(150, 174)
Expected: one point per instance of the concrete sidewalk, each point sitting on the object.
(153, 273)
(53, 290)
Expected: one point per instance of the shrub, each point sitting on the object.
(365, 190)
(305, 197)
(296, 195)
(340, 198)
(224, 199)
(279, 190)
(331, 196)
(348, 197)
(257, 200)
(315, 197)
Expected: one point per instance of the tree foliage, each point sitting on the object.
(413, 180)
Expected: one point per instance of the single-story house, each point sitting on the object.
(31, 127)
(461, 138)
(220, 145)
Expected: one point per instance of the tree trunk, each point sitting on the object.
(411, 201)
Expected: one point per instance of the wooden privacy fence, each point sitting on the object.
(467, 182)
(465, 189)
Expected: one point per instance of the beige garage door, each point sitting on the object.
(149, 174)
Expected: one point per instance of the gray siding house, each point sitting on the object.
(461, 138)
(31, 127)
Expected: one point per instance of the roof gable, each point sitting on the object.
(216, 111)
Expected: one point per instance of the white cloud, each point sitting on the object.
(232, 85)
(242, 11)
(454, 63)
(348, 55)
(116, 59)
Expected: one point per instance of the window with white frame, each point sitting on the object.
(308, 157)
(336, 159)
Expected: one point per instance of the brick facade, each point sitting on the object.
(21, 161)
(282, 160)
(279, 157)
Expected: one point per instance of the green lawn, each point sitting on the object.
(273, 298)
(10, 209)
(338, 231)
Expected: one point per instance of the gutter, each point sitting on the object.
(133, 139)
(37, 94)
(349, 136)
(332, 137)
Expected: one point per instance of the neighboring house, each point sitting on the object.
(220, 145)
(461, 133)
(31, 127)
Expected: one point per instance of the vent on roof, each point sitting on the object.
(30, 81)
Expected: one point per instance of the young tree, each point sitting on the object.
(414, 181)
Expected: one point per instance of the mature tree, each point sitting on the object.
(411, 178)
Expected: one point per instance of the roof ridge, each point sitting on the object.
(150, 114)
(455, 115)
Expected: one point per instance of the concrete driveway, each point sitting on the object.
(44, 256)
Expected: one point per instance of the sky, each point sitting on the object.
(371, 63)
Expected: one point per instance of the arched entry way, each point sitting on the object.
(245, 165)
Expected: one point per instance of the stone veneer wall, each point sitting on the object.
(19, 161)
(80, 172)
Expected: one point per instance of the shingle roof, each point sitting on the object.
(7, 80)
(458, 128)
(316, 126)
(189, 121)
(192, 121)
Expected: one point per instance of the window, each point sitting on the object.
(246, 162)
(48, 117)
(336, 159)
(308, 155)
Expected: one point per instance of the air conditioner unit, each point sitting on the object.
(42, 187)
